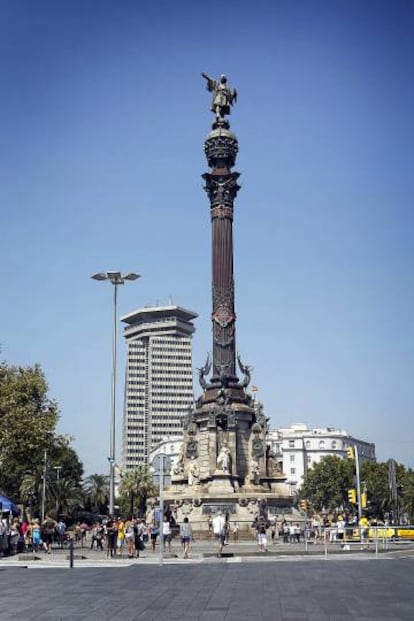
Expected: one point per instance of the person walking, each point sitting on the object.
(235, 530)
(120, 540)
(36, 535)
(130, 537)
(364, 532)
(139, 529)
(155, 531)
(48, 530)
(262, 535)
(186, 534)
(61, 531)
(111, 537)
(166, 533)
(219, 531)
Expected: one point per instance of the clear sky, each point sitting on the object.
(102, 123)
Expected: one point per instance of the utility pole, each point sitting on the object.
(44, 485)
(358, 482)
(352, 453)
(392, 482)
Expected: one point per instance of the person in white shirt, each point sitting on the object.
(219, 530)
(166, 534)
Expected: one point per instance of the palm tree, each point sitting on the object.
(31, 487)
(137, 484)
(96, 488)
(68, 496)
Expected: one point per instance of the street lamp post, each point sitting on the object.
(58, 469)
(115, 278)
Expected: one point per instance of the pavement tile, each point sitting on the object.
(313, 590)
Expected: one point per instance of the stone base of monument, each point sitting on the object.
(223, 483)
(201, 503)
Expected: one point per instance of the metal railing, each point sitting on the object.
(371, 538)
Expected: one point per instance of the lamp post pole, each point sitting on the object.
(115, 278)
(44, 485)
(58, 469)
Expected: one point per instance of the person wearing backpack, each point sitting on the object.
(61, 532)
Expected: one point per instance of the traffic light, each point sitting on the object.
(350, 452)
(363, 500)
(303, 504)
(352, 496)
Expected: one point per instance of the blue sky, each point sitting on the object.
(103, 120)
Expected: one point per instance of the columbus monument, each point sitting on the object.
(225, 462)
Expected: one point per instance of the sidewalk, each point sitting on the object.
(310, 590)
(201, 551)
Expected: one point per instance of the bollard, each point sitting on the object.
(71, 553)
(325, 543)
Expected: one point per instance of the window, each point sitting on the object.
(293, 471)
(321, 444)
(291, 444)
(309, 459)
(334, 444)
(292, 458)
(307, 444)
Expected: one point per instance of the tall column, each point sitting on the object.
(221, 186)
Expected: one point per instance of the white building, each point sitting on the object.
(159, 378)
(300, 448)
(168, 446)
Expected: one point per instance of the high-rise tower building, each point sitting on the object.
(159, 379)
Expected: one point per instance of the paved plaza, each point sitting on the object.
(271, 588)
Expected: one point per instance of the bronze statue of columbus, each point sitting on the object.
(223, 96)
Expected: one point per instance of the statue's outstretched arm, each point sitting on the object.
(210, 82)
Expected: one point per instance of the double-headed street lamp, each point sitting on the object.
(115, 278)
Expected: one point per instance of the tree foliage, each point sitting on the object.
(96, 492)
(374, 478)
(327, 482)
(28, 419)
(407, 494)
(137, 485)
(326, 486)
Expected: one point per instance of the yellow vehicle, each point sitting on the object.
(401, 533)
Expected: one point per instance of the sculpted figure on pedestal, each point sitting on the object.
(224, 458)
(193, 473)
(179, 465)
(254, 471)
(223, 96)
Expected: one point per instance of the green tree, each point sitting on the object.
(27, 421)
(96, 490)
(64, 461)
(31, 490)
(374, 477)
(137, 485)
(407, 495)
(63, 470)
(326, 484)
(67, 495)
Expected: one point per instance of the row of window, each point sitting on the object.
(308, 444)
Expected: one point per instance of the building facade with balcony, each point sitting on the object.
(299, 448)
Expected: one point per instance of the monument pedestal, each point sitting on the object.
(222, 483)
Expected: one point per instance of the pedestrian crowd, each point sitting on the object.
(18, 535)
